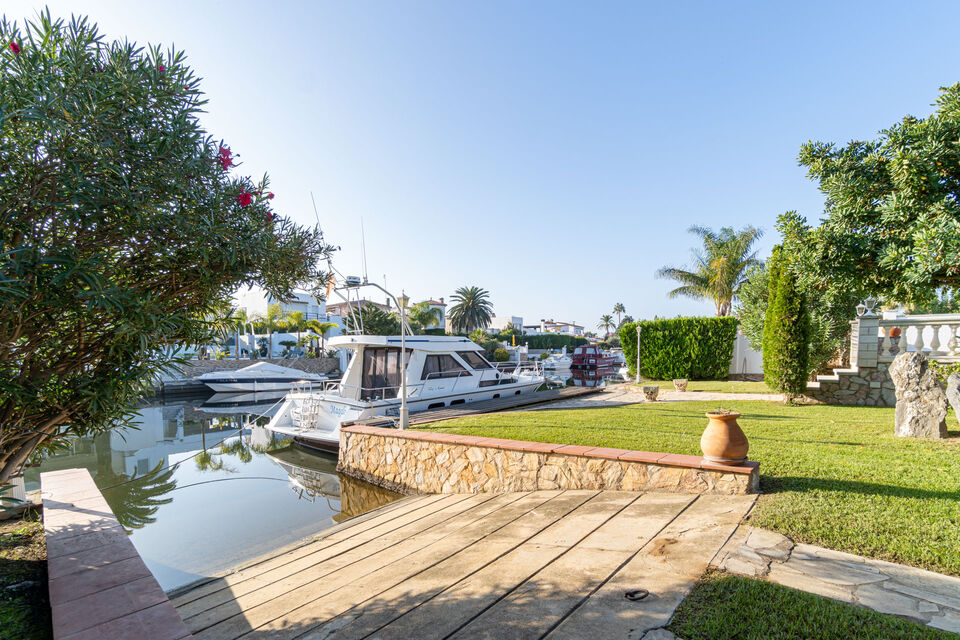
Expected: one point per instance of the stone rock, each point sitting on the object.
(921, 402)
(953, 393)
(659, 634)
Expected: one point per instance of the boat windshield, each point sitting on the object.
(381, 373)
(474, 359)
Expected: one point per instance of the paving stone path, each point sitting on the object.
(622, 394)
(926, 597)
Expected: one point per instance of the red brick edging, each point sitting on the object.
(99, 586)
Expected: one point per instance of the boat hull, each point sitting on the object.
(253, 386)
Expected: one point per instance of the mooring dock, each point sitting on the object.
(542, 564)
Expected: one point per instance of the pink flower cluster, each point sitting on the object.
(15, 47)
(225, 159)
(245, 198)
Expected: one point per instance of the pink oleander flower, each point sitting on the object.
(225, 158)
(245, 198)
(270, 195)
(15, 47)
(160, 68)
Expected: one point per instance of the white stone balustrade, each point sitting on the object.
(936, 335)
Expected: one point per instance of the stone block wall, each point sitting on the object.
(428, 462)
(861, 386)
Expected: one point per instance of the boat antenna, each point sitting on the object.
(315, 214)
(363, 249)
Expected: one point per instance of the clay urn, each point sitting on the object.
(723, 440)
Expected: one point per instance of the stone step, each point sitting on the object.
(833, 378)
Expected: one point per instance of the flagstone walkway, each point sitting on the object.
(930, 598)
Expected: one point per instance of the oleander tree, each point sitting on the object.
(891, 225)
(124, 229)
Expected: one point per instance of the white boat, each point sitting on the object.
(558, 360)
(442, 371)
(261, 376)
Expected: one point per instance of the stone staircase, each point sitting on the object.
(861, 386)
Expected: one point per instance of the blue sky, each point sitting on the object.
(552, 152)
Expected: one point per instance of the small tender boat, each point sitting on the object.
(442, 371)
(231, 403)
(261, 376)
(558, 360)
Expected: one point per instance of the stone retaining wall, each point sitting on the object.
(429, 462)
(310, 365)
(862, 386)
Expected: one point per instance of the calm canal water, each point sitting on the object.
(201, 486)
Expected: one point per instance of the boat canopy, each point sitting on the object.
(441, 344)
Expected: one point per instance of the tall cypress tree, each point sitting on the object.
(786, 331)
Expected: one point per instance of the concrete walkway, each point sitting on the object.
(926, 597)
(623, 394)
(543, 564)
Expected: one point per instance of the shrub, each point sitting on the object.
(501, 355)
(551, 341)
(693, 348)
(435, 331)
(786, 331)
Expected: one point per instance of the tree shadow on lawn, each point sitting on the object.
(770, 485)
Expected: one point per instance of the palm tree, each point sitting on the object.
(321, 329)
(275, 318)
(606, 321)
(296, 320)
(421, 316)
(619, 309)
(719, 268)
(472, 309)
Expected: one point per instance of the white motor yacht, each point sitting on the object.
(442, 371)
(558, 360)
(261, 376)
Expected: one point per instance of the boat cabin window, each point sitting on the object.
(474, 359)
(442, 366)
(381, 373)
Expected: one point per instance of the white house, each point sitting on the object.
(554, 327)
(441, 306)
(499, 323)
(255, 301)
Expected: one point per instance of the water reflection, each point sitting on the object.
(198, 473)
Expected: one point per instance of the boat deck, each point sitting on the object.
(484, 406)
(543, 564)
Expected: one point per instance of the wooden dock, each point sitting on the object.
(483, 406)
(543, 564)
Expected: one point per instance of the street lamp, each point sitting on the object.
(404, 416)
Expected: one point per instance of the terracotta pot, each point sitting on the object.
(680, 384)
(723, 440)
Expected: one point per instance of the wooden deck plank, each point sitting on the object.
(320, 611)
(413, 510)
(278, 600)
(541, 601)
(338, 553)
(290, 577)
(525, 565)
(668, 567)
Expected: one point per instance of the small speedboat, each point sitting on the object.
(261, 376)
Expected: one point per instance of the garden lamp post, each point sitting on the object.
(404, 416)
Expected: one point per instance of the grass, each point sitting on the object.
(716, 386)
(725, 606)
(831, 476)
(24, 608)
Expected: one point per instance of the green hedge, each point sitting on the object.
(694, 348)
(550, 341)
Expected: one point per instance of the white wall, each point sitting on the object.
(745, 360)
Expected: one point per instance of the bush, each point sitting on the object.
(551, 341)
(693, 348)
(786, 331)
(435, 331)
(501, 355)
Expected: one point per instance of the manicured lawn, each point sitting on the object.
(831, 476)
(725, 606)
(716, 386)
